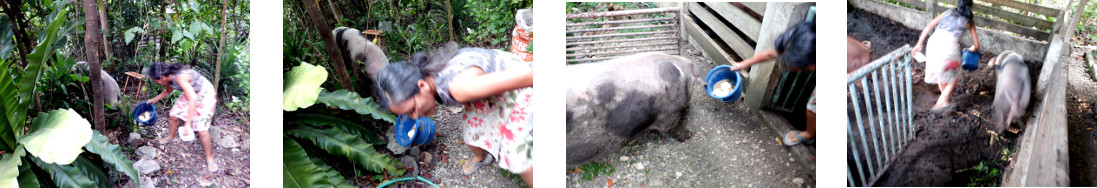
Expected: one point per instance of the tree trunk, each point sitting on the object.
(104, 24)
(221, 48)
(335, 12)
(91, 44)
(322, 26)
(13, 9)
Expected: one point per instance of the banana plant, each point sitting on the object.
(53, 145)
(320, 141)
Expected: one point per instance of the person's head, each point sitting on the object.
(403, 88)
(796, 47)
(963, 7)
(162, 73)
(406, 88)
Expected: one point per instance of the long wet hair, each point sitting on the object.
(157, 69)
(796, 47)
(398, 81)
(963, 7)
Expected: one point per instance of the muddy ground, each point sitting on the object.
(730, 148)
(948, 145)
(1081, 122)
(183, 164)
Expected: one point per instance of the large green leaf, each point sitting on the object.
(176, 34)
(9, 169)
(333, 176)
(297, 169)
(349, 126)
(132, 32)
(301, 85)
(348, 100)
(340, 143)
(95, 172)
(195, 27)
(7, 107)
(17, 114)
(27, 179)
(112, 154)
(6, 33)
(64, 175)
(59, 136)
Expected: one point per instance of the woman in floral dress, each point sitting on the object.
(495, 88)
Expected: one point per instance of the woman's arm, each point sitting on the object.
(925, 33)
(167, 91)
(472, 83)
(188, 91)
(757, 58)
(974, 37)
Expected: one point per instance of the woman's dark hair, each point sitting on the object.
(963, 7)
(796, 47)
(398, 81)
(160, 69)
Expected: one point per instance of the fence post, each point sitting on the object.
(931, 9)
(778, 17)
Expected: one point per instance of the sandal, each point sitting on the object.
(796, 135)
(211, 166)
(167, 140)
(942, 109)
(476, 166)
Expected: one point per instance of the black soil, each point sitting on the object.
(1081, 122)
(946, 145)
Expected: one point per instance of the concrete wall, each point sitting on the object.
(991, 41)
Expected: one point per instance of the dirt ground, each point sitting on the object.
(182, 163)
(729, 148)
(1081, 122)
(945, 144)
(447, 154)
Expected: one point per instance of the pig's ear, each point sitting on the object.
(868, 45)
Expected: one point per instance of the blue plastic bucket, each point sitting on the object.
(720, 73)
(970, 60)
(424, 131)
(142, 108)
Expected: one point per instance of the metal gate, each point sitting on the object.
(618, 33)
(880, 97)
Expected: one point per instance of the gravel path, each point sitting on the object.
(729, 148)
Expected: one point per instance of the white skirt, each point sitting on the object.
(942, 58)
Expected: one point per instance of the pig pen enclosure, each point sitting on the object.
(54, 54)
(731, 144)
(895, 140)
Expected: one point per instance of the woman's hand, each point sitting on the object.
(151, 101)
(915, 50)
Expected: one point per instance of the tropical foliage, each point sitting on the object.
(324, 144)
(46, 139)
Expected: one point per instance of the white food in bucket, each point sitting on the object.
(145, 116)
(722, 88)
(414, 128)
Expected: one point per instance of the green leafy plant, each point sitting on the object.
(323, 145)
(496, 19)
(594, 169)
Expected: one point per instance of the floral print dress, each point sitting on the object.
(500, 124)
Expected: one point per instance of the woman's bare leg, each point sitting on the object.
(477, 156)
(527, 176)
(943, 100)
(206, 144)
(809, 133)
(173, 124)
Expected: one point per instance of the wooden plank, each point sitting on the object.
(737, 17)
(1025, 6)
(1023, 20)
(757, 7)
(710, 49)
(741, 47)
(989, 23)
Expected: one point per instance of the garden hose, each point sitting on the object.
(420, 178)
